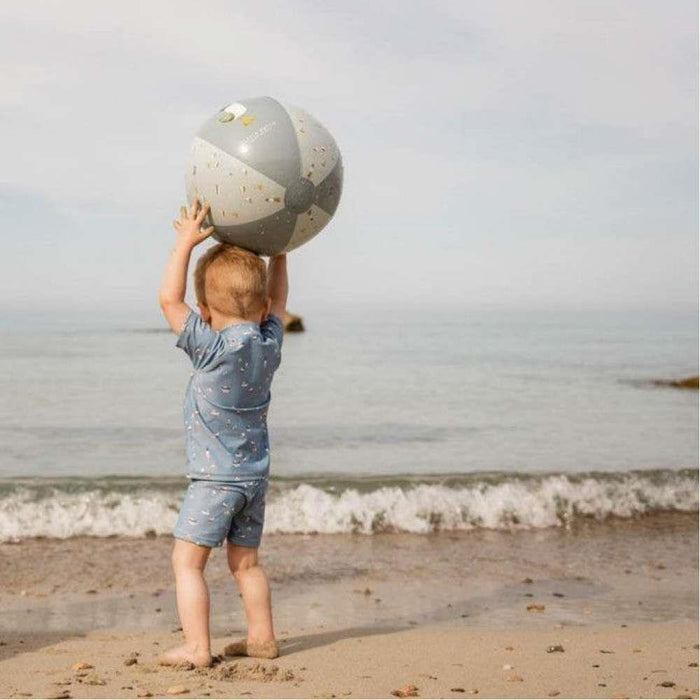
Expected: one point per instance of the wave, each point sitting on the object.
(138, 507)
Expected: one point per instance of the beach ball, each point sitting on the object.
(271, 173)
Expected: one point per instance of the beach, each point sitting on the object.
(501, 487)
(455, 614)
(473, 448)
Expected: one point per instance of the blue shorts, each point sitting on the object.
(213, 511)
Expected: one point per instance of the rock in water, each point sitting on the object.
(686, 383)
(293, 323)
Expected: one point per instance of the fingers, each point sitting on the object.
(202, 214)
(190, 221)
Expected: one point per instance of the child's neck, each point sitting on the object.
(219, 321)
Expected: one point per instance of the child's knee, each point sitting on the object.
(241, 559)
(187, 555)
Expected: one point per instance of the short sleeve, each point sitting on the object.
(199, 340)
(273, 328)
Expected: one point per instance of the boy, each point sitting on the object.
(235, 347)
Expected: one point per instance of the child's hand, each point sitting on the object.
(189, 225)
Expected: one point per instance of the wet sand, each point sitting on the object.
(361, 616)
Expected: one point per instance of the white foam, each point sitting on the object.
(511, 504)
(91, 513)
(552, 501)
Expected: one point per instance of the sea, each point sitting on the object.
(382, 420)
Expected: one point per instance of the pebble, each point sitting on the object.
(81, 666)
(177, 690)
(667, 684)
(554, 647)
(95, 681)
(130, 661)
(558, 595)
(553, 693)
(693, 664)
(457, 690)
(535, 607)
(474, 691)
(143, 694)
(509, 648)
(515, 678)
(606, 651)
(407, 691)
(59, 695)
(527, 579)
(508, 667)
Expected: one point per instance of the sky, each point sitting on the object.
(497, 153)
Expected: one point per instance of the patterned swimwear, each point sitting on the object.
(216, 511)
(228, 450)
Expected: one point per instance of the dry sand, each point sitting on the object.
(650, 660)
(363, 616)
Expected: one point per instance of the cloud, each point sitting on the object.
(485, 129)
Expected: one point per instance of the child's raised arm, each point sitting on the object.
(174, 285)
(278, 285)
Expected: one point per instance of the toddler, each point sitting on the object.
(234, 344)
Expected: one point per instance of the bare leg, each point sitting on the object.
(255, 591)
(189, 560)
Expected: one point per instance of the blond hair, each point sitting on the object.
(231, 280)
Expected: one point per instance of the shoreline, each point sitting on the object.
(360, 616)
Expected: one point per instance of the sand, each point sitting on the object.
(600, 661)
(361, 616)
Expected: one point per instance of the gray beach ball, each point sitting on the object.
(271, 173)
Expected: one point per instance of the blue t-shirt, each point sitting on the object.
(227, 397)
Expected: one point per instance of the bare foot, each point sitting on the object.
(264, 650)
(182, 656)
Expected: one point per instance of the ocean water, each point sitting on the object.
(380, 421)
